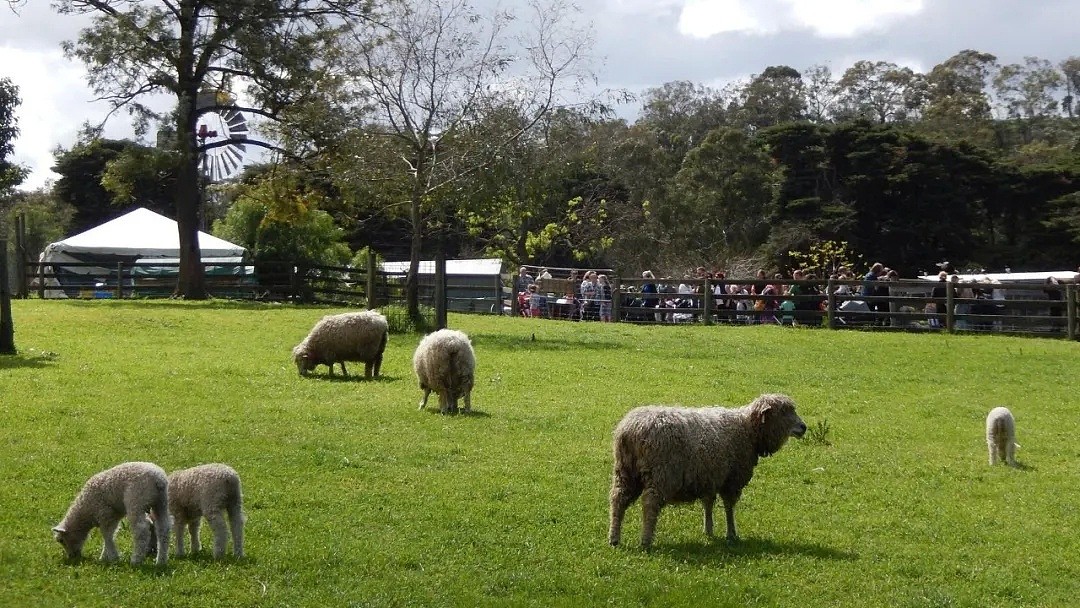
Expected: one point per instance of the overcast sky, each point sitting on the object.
(639, 44)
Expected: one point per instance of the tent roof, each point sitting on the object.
(480, 266)
(141, 233)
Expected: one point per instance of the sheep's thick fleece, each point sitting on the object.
(674, 454)
(211, 491)
(132, 489)
(350, 336)
(444, 362)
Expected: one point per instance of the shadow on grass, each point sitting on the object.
(351, 378)
(463, 414)
(27, 360)
(708, 551)
(537, 341)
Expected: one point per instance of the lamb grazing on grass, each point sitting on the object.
(444, 362)
(133, 489)
(350, 336)
(1001, 436)
(674, 454)
(211, 491)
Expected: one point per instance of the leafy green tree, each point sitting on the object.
(773, 97)
(181, 48)
(279, 220)
(881, 92)
(11, 175)
(724, 189)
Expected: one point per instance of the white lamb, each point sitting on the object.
(445, 363)
(211, 491)
(350, 336)
(133, 489)
(1001, 436)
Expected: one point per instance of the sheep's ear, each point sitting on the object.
(763, 412)
(58, 534)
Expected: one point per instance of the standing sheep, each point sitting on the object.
(133, 489)
(673, 454)
(445, 363)
(211, 491)
(1001, 436)
(350, 336)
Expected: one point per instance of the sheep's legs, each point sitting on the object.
(707, 503)
(468, 403)
(1010, 454)
(236, 526)
(993, 452)
(160, 534)
(194, 526)
(423, 402)
(650, 511)
(181, 531)
(621, 499)
(221, 533)
(108, 534)
(344, 372)
(729, 513)
(140, 534)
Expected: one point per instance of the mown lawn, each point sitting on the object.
(356, 498)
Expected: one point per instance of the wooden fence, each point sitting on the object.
(1018, 308)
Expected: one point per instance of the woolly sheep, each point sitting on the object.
(445, 363)
(1001, 436)
(211, 491)
(133, 489)
(673, 454)
(350, 336)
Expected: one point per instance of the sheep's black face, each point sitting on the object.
(799, 428)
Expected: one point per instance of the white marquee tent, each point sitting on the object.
(140, 235)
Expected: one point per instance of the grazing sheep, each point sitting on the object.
(133, 489)
(1001, 436)
(444, 362)
(350, 336)
(673, 454)
(211, 491)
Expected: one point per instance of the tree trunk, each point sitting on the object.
(191, 284)
(416, 245)
(7, 326)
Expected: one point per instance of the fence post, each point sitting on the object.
(830, 305)
(616, 298)
(21, 284)
(1070, 305)
(372, 271)
(119, 280)
(41, 280)
(7, 325)
(950, 317)
(440, 289)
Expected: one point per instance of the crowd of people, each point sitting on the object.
(798, 299)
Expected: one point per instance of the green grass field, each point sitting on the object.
(354, 498)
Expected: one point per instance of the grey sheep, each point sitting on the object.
(1001, 436)
(350, 336)
(673, 454)
(444, 362)
(133, 489)
(211, 491)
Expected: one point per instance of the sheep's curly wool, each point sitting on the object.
(444, 362)
(1001, 436)
(211, 491)
(350, 336)
(132, 489)
(673, 454)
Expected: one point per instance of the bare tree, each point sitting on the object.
(443, 66)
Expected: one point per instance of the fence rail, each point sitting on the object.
(1005, 307)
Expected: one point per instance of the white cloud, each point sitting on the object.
(54, 103)
(825, 18)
